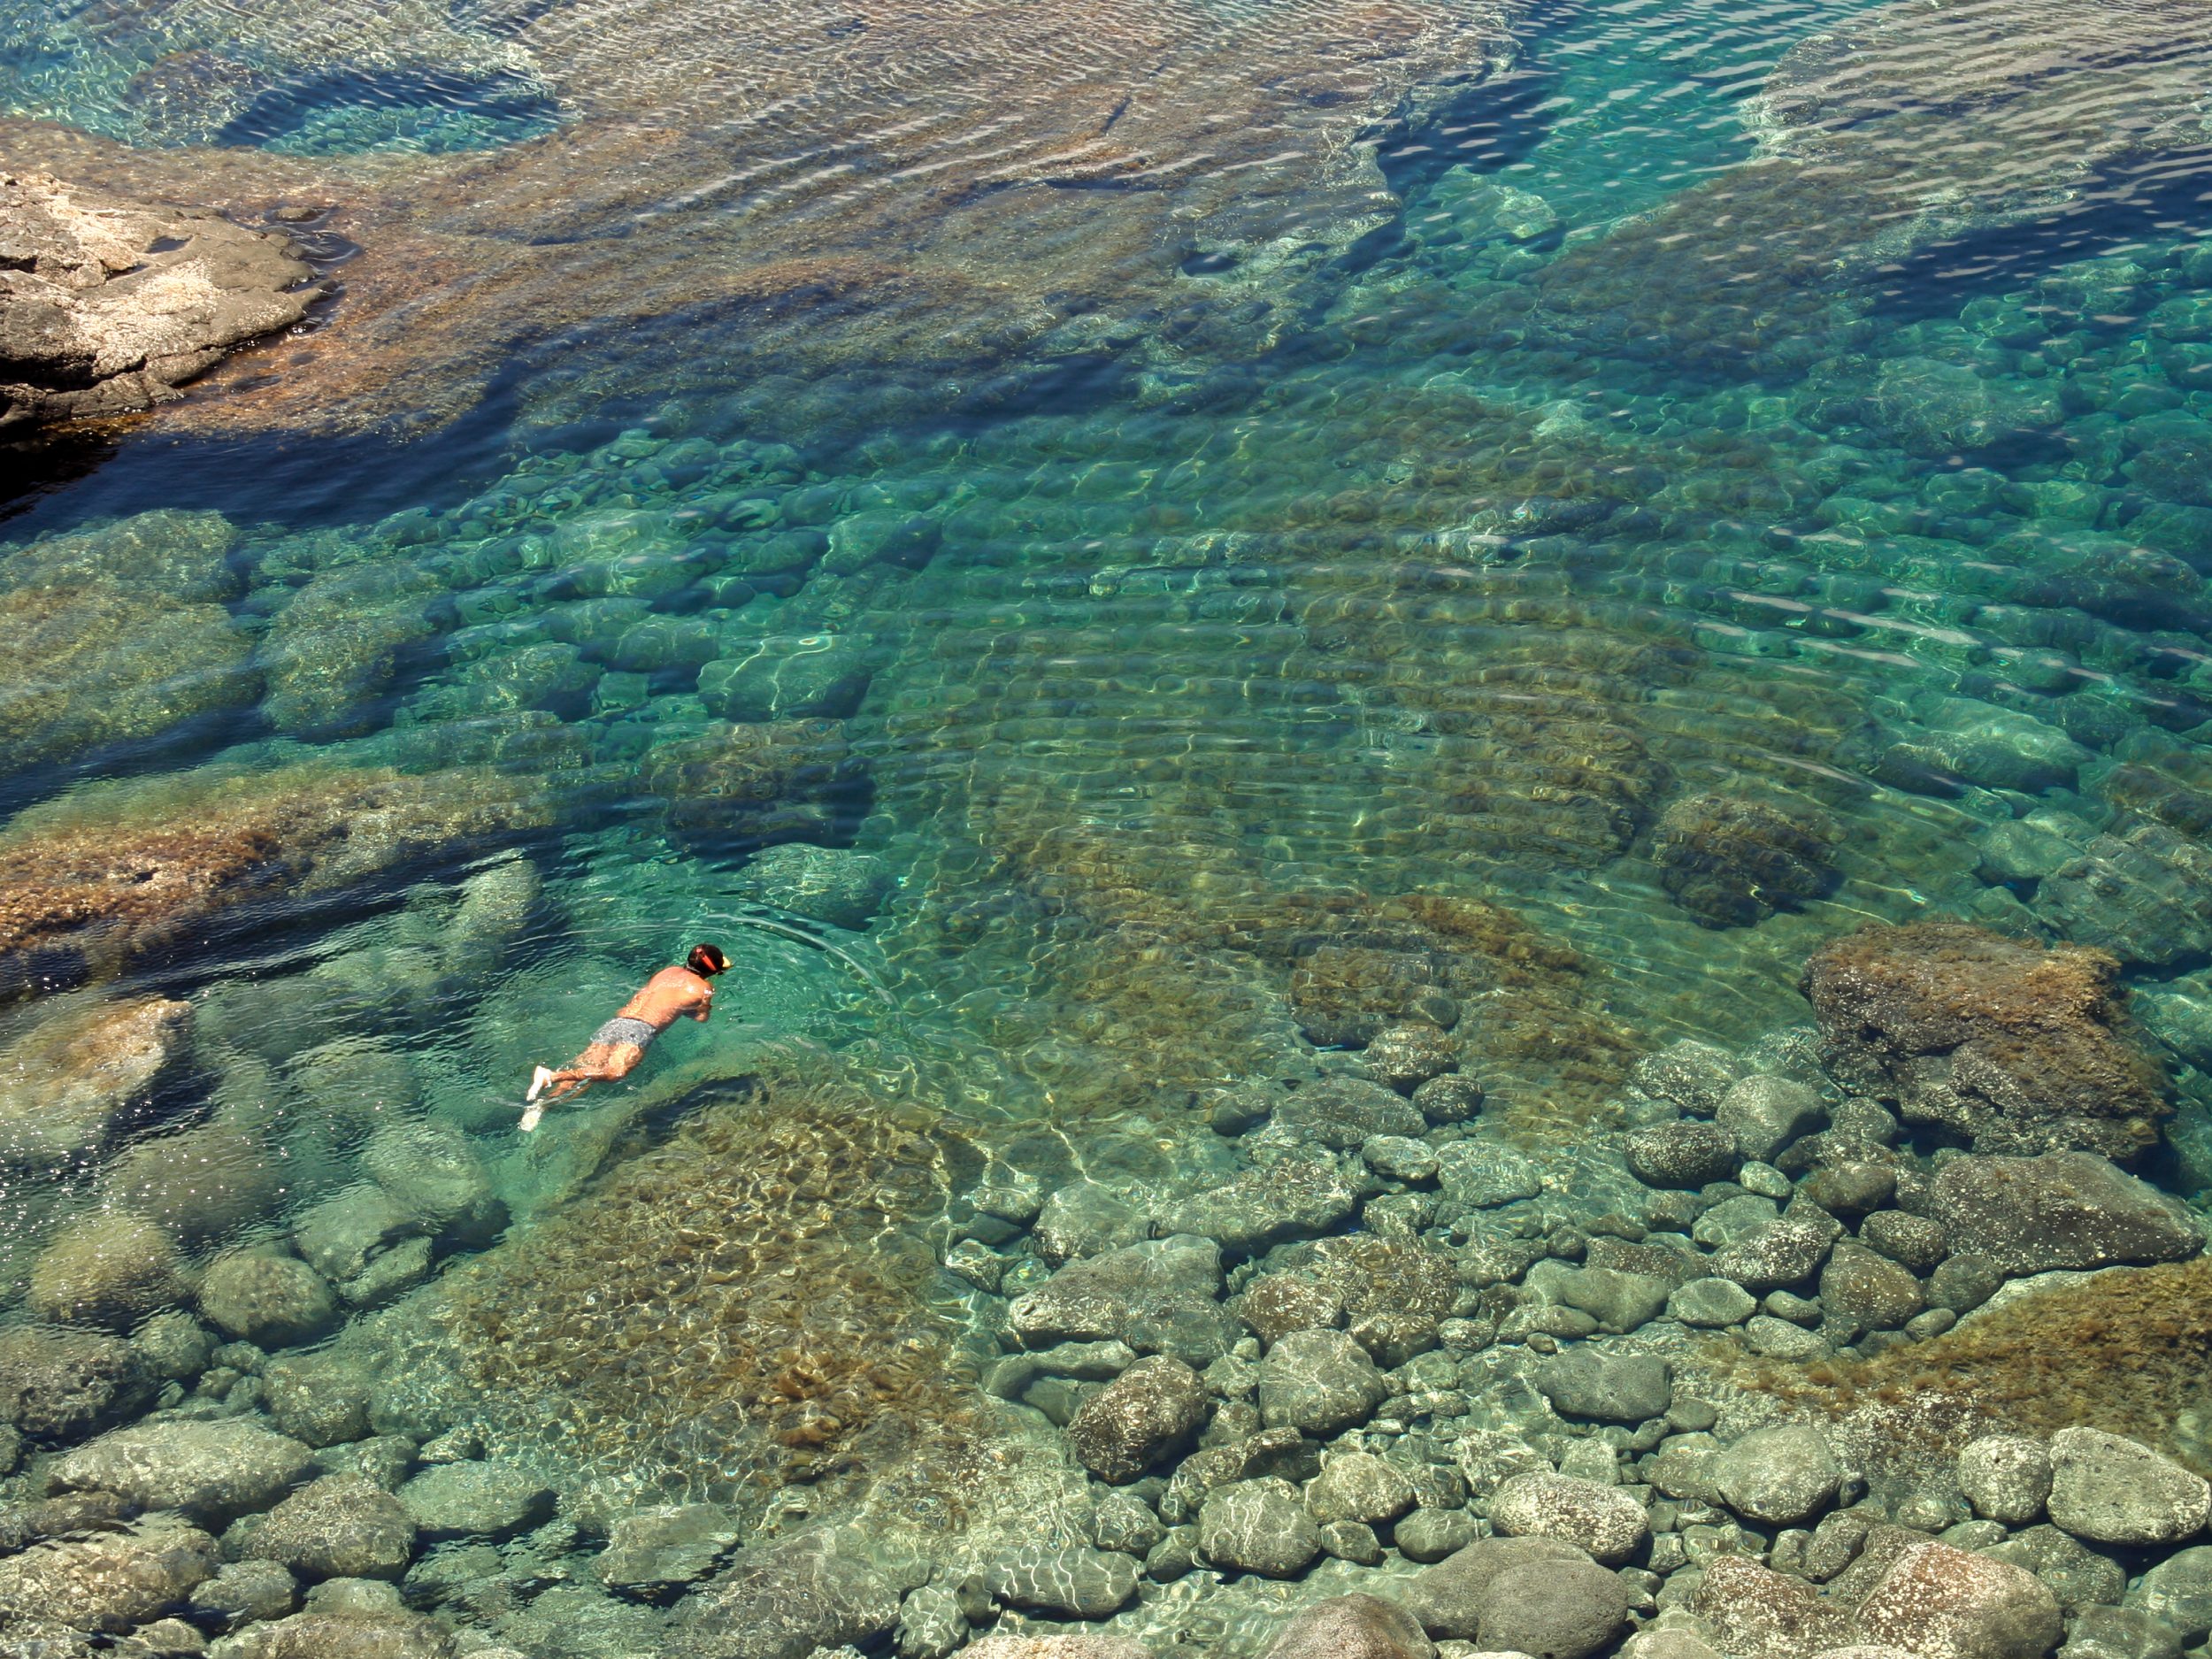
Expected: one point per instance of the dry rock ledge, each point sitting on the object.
(107, 306)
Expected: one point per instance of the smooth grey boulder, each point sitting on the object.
(1141, 1416)
(245, 1592)
(1258, 1526)
(1608, 1387)
(1783, 1253)
(1479, 1174)
(475, 1500)
(2006, 1478)
(1084, 1219)
(1429, 1535)
(1858, 1287)
(1711, 1303)
(1765, 1113)
(1446, 1598)
(64, 1384)
(1302, 1194)
(1340, 1112)
(1072, 1582)
(2108, 1490)
(211, 1471)
(1782, 1476)
(2178, 1590)
(1351, 1627)
(2064, 1209)
(1687, 1154)
(269, 1300)
(1557, 1609)
(109, 1581)
(1320, 1382)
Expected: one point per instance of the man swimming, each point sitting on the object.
(617, 1046)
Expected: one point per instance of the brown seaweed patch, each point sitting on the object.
(2128, 1350)
(737, 1309)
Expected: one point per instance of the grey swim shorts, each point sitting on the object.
(623, 1029)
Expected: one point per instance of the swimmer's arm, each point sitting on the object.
(706, 1006)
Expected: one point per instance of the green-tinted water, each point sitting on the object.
(1684, 529)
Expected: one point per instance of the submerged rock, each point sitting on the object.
(1351, 1627)
(81, 1073)
(1944, 1602)
(1731, 862)
(209, 1470)
(1139, 1418)
(271, 1301)
(2109, 1490)
(828, 884)
(1159, 1297)
(64, 1384)
(2017, 1047)
(109, 1581)
(108, 1268)
(341, 1526)
(648, 1550)
(2064, 1210)
(95, 664)
(109, 305)
(783, 1601)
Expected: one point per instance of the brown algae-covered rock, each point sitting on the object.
(2017, 1047)
(1731, 862)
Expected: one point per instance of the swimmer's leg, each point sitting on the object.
(602, 1063)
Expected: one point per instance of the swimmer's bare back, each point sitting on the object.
(615, 1048)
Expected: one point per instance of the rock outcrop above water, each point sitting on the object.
(2014, 1047)
(1011, 211)
(107, 306)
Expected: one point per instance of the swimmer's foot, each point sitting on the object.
(539, 1079)
(530, 1115)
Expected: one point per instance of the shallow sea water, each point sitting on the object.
(1628, 475)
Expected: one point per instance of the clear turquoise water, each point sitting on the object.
(1557, 513)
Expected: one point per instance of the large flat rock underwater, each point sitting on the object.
(947, 187)
(1906, 143)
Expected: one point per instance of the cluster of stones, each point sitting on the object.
(1488, 1421)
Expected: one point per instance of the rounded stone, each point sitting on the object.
(2006, 1478)
(1408, 1054)
(1320, 1382)
(1142, 1415)
(1711, 1304)
(1559, 1609)
(110, 1269)
(475, 1500)
(270, 1301)
(1911, 1241)
(1782, 1476)
(1860, 1287)
(199, 1186)
(1351, 1627)
(1687, 1154)
(1358, 1487)
(1451, 1098)
(1258, 1526)
(1936, 1601)
(2107, 1490)
(341, 1526)
(1434, 1534)
(1604, 1520)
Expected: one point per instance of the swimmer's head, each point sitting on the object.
(706, 960)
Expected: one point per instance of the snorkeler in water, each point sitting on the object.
(617, 1046)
